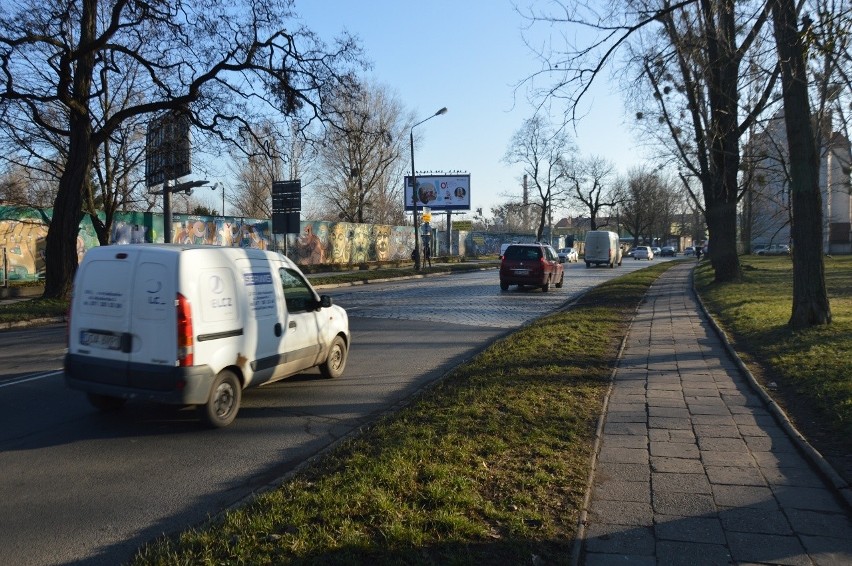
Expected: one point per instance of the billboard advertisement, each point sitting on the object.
(439, 192)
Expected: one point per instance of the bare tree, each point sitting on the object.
(256, 170)
(690, 50)
(810, 300)
(639, 204)
(593, 184)
(543, 152)
(361, 158)
(513, 217)
(222, 63)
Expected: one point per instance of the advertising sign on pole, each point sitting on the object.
(168, 148)
(439, 192)
(286, 205)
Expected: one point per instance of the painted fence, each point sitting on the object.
(23, 231)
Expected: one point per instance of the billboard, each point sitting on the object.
(168, 148)
(439, 192)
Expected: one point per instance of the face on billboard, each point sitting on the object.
(440, 192)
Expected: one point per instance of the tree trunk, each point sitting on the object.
(810, 300)
(720, 190)
(60, 251)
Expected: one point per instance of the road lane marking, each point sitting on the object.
(27, 378)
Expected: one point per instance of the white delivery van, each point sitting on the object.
(602, 248)
(195, 325)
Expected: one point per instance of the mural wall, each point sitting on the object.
(23, 232)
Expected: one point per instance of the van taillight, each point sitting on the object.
(184, 331)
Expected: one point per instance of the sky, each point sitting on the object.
(467, 55)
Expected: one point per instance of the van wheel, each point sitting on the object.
(588, 264)
(335, 363)
(561, 281)
(504, 286)
(224, 402)
(106, 403)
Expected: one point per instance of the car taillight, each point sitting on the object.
(184, 331)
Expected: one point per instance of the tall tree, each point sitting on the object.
(221, 62)
(593, 184)
(689, 49)
(361, 158)
(543, 152)
(810, 300)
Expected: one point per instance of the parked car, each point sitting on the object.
(668, 251)
(536, 265)
(643, 252)
(773, 249)
(656, 250)
(689, 251)
(569, 255)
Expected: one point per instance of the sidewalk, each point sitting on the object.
(692, 468)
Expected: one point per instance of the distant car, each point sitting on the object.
(773, 249)
(689, 251)
(668, 251)
(656, 250)
(643, 252)
(569, 255)
(535, 265)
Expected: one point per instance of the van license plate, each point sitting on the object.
(100, 340)
(522, 272)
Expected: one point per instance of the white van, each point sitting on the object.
(602, 248)
(195, 325)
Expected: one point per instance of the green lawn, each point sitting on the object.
(487, 466)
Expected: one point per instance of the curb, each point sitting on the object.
(843, 489)
(32, 322)
(389, 279)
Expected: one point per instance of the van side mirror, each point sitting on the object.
(325, 301)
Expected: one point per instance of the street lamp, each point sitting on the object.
(414, 188)
(223, 195)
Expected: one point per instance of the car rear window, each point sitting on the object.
(522, 252)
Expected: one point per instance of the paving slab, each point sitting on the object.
(692, 468)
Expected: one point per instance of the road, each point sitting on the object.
(85, 488)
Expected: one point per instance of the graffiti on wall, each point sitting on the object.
(23, 232)
(346, 243)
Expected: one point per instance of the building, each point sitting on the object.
(766, 208)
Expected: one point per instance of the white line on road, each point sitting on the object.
(25, 379)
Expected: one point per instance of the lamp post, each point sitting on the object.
(414, 188)
(223, 195)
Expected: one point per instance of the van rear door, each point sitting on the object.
(154, 324)
(101, 314)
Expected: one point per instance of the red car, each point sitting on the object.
(536, 265)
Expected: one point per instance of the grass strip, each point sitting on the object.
(487, 465)
(809, 371)
(33, 308)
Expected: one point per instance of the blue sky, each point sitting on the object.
(467, 55)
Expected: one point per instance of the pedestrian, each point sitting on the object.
(698, 252)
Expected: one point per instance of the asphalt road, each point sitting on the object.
(80, 487)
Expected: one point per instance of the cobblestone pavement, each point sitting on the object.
(692, 468)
